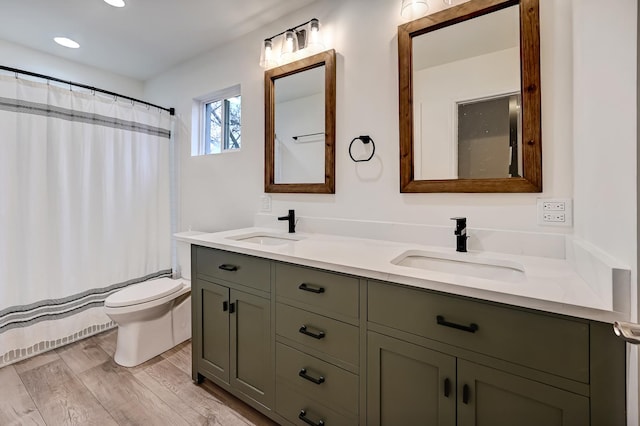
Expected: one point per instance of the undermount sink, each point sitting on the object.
(266, 238)
(462, 264)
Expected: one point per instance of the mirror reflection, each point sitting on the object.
(466, 99)
(300, 127)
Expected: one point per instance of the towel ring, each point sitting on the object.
(365, 140)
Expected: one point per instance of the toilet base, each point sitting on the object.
(139, 341)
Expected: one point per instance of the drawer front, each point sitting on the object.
(292, 404)
(319, 380)
(324, 334)
(555, 345)
(325, 290)
(237, 268)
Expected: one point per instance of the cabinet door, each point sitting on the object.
(213, 310)
(408, 384)
(252, 369)
(489, 397)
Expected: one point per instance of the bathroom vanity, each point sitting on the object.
(309, 341)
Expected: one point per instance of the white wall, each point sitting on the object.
(605, 126)
(222, 192)
(24, 58)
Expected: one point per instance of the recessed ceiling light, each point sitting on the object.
(66, 42)
(115, 3)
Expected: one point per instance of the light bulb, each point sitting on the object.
(289, 38)
(413, 9)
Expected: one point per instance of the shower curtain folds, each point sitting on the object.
(84, 210)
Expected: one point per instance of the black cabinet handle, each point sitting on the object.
(303, 416)
(305, 287)
(447, 387)
(228, 267)
(318, 336)
(232, 308)
(225, 306)
(465, 394)
(304, 375)
(471, 328)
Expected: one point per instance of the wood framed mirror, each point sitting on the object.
(300, 117)
(470, 99)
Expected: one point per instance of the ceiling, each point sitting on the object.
(142, 39)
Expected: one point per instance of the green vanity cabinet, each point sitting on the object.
(318, 346)
(310, 346)
(448, 360)
(409, 384)
(487, 396)
(232, 339)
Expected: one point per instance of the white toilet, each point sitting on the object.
(152, 316)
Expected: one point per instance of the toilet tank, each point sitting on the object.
(183, 250)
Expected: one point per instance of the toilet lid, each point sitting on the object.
(143, 292)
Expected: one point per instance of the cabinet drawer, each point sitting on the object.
(324, 382)
(332, 337)
(330, 292)
(234, 267)
(291, 404)
(552, 344)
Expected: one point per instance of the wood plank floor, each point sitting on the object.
(79, 384)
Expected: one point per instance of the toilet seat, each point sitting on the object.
(143, 292)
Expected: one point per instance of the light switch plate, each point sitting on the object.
(265, 203)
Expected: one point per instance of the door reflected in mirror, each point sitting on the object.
(299, 127)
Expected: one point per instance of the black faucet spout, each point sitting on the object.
(461, 233)
(291, 218)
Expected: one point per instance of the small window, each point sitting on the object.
(221, 122)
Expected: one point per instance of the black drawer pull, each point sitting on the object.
(303, 416)
(304, 375)
(225, 306)
(305, 287)
(228, 267)
(318, 336)
(471, 328)
(447, 387)
(232, 307)
(465, 394)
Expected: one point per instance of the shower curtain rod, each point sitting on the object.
(171, 111)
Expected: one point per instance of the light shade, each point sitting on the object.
(268, 59)
(314, 43)
(413, 9)
(66, 42)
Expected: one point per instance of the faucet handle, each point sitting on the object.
(458, 218)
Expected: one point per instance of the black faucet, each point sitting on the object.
(461, 233)
(291, 217)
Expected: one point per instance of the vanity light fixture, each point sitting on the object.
(66, 42)
(290, 44)
(413, 9)
(115, 3)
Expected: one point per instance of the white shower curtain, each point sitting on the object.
(84, 210)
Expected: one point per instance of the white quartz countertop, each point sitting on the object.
(550, 285)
